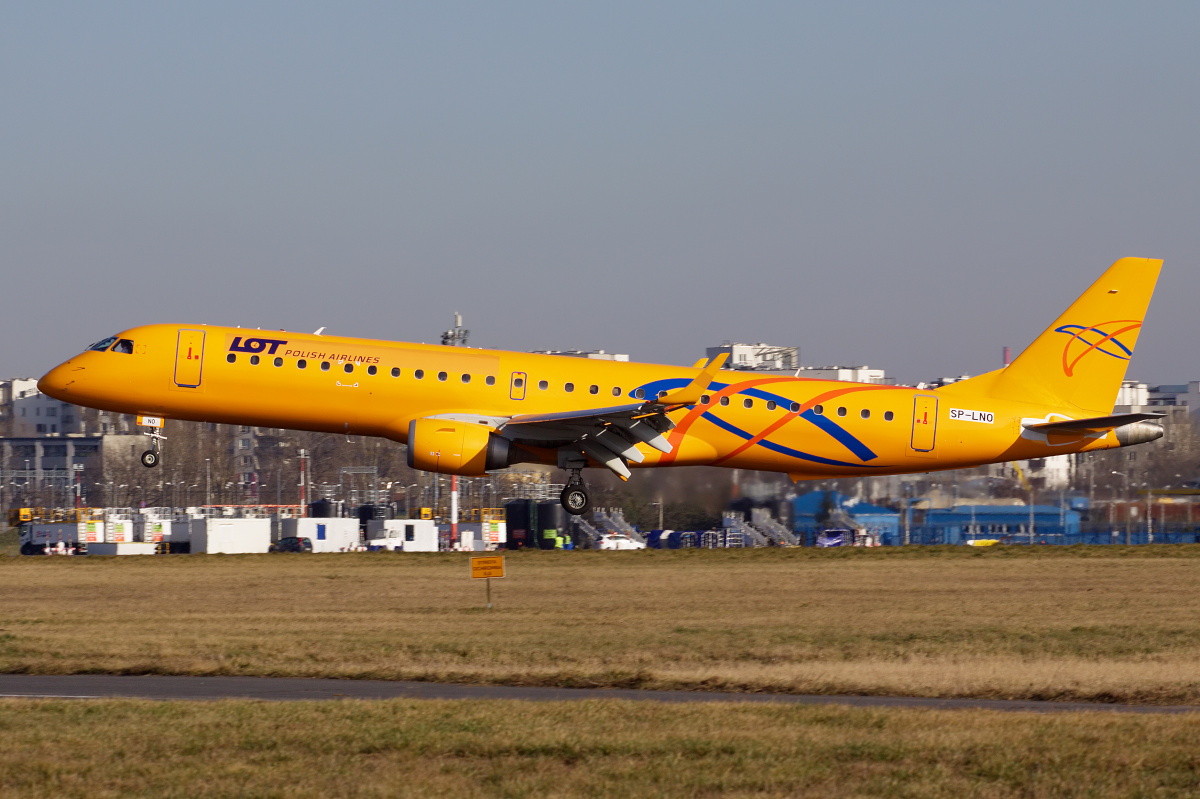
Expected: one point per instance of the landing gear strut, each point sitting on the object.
(575, 499)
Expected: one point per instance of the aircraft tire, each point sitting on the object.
(575, 500)
(149, 459)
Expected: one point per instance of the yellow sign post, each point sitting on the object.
(485, 568)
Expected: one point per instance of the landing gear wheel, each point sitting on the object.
(149, 459)
(575, 500)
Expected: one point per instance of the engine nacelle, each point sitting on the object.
(1138, 433)
(449, 447)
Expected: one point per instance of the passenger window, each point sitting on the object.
(231, 357)
(518, 381)
(705, 399)
(466, 378)
(395, 371)
(724, 400)
(543, 385)
(420, 373)
(841, 411)
(569, 387)
(593, 389)
(770, 405)
(864, 413)
(747, 403)
(794, 407)
(324, 366)
(491, 380)
(101, 346)
(819, 409)
(124, 346)
(616, 391)
(371, 369)
(278, 361)
(639, 393)
(348, 368)
(301, 364)
(442, 376)
(254, 360)
(888, 416)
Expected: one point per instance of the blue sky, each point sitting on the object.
(910, 186)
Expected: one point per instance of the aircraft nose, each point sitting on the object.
(57, 382)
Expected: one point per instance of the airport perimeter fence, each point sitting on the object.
(935, 536)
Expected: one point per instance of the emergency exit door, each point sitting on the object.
(516, 389)
(189, 358)
(924, 429)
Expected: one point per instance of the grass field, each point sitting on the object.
(600, 748)
(1100, 623)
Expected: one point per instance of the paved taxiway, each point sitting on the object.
(107, 686)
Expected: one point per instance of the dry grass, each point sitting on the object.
(1104, 623)
(601, 748)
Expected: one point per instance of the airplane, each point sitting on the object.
(469, 412)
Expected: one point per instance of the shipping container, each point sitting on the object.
(230, 536)
(410, 535)
(327, 534)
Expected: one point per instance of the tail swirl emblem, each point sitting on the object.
(1100, 338)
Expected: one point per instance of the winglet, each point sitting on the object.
(691, 393)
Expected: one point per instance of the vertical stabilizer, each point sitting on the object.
(1081, 359)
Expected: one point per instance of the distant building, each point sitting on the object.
(757, 357)
(25, 412)
(596, 355)
(848, 374)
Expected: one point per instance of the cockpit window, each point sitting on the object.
(101, 346)
(124, 346)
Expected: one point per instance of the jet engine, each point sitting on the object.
(450, 447)
(1138, 433)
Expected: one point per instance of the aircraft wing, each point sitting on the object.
(609, 435)
(1095, 423)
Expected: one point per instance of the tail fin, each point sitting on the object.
(1082, 357)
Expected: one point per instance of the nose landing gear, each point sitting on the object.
(151, 457)
(575, 498)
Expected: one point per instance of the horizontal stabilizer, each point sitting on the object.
(1095, 423)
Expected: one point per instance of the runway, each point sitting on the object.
(110, 686)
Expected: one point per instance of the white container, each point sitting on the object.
(326, 534)
(230, 536)
(413, 535)
(118, 531)
(90, 532)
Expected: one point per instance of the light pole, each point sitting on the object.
(1126, 476)
(208, 481)
(1149, 515)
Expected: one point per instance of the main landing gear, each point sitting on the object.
(575, 498)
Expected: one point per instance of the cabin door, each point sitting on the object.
(189, 358)
(516, 389)
(924, 429)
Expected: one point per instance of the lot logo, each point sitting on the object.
(1085, 340)
(256, 345)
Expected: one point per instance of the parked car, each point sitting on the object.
(618, 541)
(292, 544)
